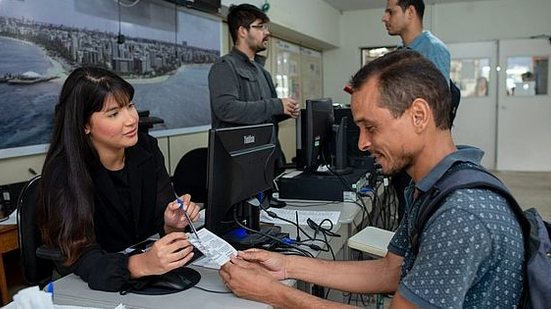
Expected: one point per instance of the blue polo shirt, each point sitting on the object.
(471, 250)
(433, 49)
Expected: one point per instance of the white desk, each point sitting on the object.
(351, 216)
(371, 240)
(71, 290)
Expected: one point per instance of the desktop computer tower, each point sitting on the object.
(322, 187)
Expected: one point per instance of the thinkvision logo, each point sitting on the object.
(248, 139)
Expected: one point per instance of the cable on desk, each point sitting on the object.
(309, 238)
(212, 291)
(324, 231)
(306, 253)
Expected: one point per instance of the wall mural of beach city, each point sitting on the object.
(166, 56)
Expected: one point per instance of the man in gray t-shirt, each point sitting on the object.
(241, 90)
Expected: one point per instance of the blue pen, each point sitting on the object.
(50, 289)
(181, 203)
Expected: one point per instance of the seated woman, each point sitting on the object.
(105, 187)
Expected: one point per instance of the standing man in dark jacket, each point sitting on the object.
(241, 90)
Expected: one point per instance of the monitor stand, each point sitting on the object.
(244, 238)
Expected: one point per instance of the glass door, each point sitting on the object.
(524, 112)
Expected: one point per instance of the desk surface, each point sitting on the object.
(71, 290)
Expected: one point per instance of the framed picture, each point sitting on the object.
(163, 50)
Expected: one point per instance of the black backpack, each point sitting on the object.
(536, 231)
(455, 99)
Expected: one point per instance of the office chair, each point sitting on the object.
(190, 175)
(37, 261)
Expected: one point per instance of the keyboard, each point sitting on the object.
(303, 215)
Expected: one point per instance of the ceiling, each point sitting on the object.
(350, 5)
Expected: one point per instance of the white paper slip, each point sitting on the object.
(205, 262)
(303, 215)
(213, 247)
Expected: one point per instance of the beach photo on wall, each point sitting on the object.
(163, 50)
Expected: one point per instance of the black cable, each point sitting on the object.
(212, 291)
(318, 227)
(274, 215)
(119, 7)
(176, 31)
(310, 238)
(306, 253)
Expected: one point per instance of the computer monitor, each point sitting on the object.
(240, 166)
(355, 157)
(314, 133)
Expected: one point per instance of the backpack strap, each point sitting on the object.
(461, 176)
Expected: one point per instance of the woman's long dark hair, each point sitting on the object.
(66, 207)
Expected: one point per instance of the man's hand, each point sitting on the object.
(290, 107)
(248, 280)
(272, 262)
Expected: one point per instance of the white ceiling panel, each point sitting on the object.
(350, 5)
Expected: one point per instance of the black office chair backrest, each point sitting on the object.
(190, 175)
(36, 271)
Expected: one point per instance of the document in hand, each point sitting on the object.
(217, 250)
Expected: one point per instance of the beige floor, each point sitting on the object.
(531, 189)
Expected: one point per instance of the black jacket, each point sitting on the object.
(236, 97)
(102, 265)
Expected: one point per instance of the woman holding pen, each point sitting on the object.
(105, 187)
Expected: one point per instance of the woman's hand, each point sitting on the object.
(170, 252)
(175, 219)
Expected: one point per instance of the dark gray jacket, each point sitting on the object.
(236, 97)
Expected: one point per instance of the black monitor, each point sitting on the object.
(355, 157)
(314, 134)
(240, 167)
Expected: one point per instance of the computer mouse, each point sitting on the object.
(174, 281)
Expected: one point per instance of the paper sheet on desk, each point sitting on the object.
(303, 215)
(217, 250)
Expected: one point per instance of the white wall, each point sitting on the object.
(456, 22)
(312, 23)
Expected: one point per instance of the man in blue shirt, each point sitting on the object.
(405, 18)
(471, 251)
